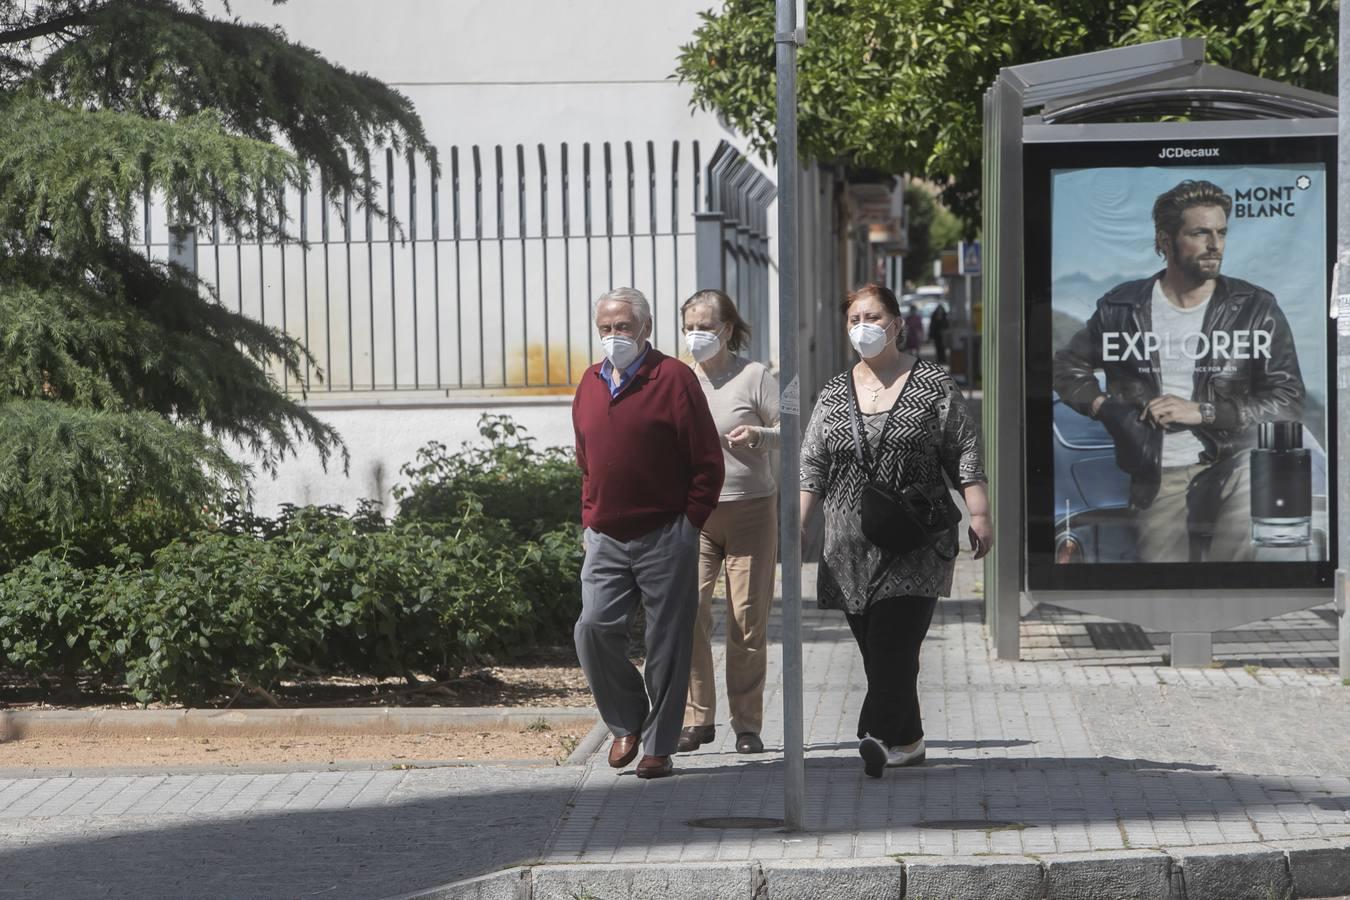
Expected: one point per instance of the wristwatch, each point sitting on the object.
(1206, 413)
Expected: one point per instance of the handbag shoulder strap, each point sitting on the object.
(855, 420)
(860, 446)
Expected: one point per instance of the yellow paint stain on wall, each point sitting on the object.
(555, 382)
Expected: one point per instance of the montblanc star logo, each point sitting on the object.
(1303, 182)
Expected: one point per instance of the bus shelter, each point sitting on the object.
(1169, 466)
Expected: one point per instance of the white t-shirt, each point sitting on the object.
(1178, 330)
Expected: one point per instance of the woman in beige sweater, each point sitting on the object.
(741, 536)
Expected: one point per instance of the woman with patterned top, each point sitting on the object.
(740, 538)
(917, 428)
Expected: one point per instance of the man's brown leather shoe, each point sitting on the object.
(655, 767)
(623, 750)
(749, 742)
(695, 736)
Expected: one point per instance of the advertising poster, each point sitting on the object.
(1178, 351)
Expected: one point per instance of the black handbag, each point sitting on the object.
(904, 520)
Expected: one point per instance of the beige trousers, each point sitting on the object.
(741, 536)
(1162, 527)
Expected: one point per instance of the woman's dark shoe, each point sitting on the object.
(695, 736)
(874, 756)
(749, 742)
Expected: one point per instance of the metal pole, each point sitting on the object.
(786, 38)
(183, 247)
(1342, 307)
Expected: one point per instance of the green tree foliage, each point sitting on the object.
(932, 229)
(122, 379)
(896, 85)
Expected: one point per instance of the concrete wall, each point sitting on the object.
(508, 71)
(381, 439)
(485, 72)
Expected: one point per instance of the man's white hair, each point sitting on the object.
(633, 297)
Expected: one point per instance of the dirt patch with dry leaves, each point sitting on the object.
(549, 677)
(538, 741)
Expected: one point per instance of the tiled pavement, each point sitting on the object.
(324, 834)
(1076, 748)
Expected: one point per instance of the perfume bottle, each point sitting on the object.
(1281, 476)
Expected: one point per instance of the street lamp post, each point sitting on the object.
(1341, 309)
(789, 33)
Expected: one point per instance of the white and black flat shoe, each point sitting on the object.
(897, 757)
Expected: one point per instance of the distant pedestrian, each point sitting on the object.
(913, 330)
(937, 332)
(899, 423)
(651, 471)
(741, 535)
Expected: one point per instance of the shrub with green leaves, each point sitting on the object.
(56, 619)
(534, 490)
(238, 608)
(483, 561)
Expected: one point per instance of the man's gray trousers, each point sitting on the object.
(660, 569)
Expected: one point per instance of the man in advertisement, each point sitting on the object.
(1194, 362)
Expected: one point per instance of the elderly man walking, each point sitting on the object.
(651, 472)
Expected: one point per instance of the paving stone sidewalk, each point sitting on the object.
(1079, 748)
(1074, 749)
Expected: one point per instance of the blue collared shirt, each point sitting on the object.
(607, 370)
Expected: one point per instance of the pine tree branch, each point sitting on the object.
(60, 25)
(78, 176)
(62, 465)
(157, 59)
(129, 334)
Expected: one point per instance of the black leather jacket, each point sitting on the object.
(1254, 387)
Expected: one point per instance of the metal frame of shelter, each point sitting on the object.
(1073, 99)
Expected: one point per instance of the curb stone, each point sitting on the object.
(1234, 872)
(1119, 873)
(1306, 869)
(18, 724)
(588, 744)
(676, 881)
(509, 884)
(847, 879)
(975, 878)
(1319, 868)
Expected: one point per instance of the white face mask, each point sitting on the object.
(620, 349)
(868, 339)
(703, 345)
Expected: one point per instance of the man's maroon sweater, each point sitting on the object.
(650, 453)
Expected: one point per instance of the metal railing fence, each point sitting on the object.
(733, 239)
(482, 278)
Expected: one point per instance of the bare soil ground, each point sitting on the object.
(549, 677)
(534, 742)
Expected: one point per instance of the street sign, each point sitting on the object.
(968, 255)
(949, 262)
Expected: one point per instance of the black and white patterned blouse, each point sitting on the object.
(931, 430)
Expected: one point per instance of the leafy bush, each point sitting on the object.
(142, 527)
(54, 618)
(484, 560)
(237, 608)
(534, 490)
